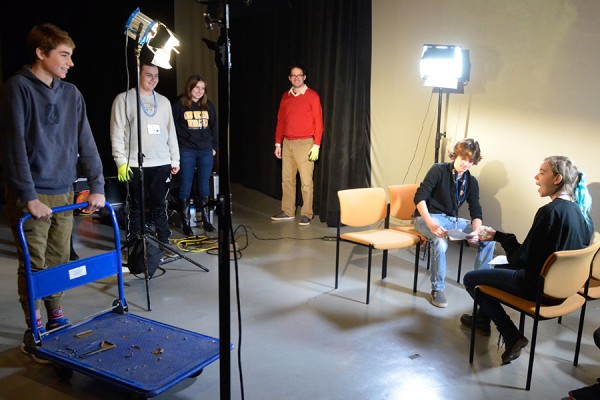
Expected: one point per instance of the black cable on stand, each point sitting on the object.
(142, 195)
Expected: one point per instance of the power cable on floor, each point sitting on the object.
(196, 243)
(205, 244)
(247, 228)
(238, 302)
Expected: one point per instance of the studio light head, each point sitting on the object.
(445, 66)
(159, 39)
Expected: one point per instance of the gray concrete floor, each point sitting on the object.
(301, 338)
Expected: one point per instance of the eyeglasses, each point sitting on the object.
(296, 76)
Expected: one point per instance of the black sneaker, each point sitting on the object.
(165, 247)
(482, 327)
(304, 220)
(586, 393)
(169, 253)
(26, 350)
(513, 348)
(281, 217)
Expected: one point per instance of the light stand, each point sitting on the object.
(446, 68)
(438, 132)
(222, 49)
(160, 40)
(224, 226)
(141, 194)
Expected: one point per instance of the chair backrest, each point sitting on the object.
(565, 272)
(596, 260)
(363, 206)
(402, 203)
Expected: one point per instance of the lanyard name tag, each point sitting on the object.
(153, 129)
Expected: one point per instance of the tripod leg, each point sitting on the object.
(178, 254)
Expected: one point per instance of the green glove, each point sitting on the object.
(313, 154)
(124, 173)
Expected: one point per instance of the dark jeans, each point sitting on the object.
(156, 182)
(500, 278)
(190, 160)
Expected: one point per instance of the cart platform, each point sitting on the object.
(143, 356)
(148, 357)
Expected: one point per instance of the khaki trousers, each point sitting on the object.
(295, 160)
(48, 241)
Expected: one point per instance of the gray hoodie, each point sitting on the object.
(45, 133)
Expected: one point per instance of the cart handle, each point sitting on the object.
(27, 260)
(59, 209)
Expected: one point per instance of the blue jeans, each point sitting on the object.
(503, 279)
(485, 250)
(190, 160)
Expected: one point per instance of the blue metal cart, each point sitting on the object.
(140, 355)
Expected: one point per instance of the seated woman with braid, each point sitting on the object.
(562, 224)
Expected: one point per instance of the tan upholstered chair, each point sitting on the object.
(594, 289)
(368, 208)
(592, 293)
(402, 207)
(594, 286)
(563, 275)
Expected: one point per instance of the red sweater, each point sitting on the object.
(299, 117)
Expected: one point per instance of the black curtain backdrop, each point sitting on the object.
(99, 57)
(332, 39)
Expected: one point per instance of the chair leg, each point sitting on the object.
(427, 252)
(384, 265)
(417, 251)
(460, 255)
(417, 270)
(337, 261)
(522, 324)
(428, 245)
(369, 275)
(531, 352)
(473, 326)
(579, 333)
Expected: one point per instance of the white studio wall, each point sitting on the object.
(533, 93)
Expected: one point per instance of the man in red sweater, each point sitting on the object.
(297, 141)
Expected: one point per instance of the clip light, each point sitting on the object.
(155, 35)
(442, 66)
